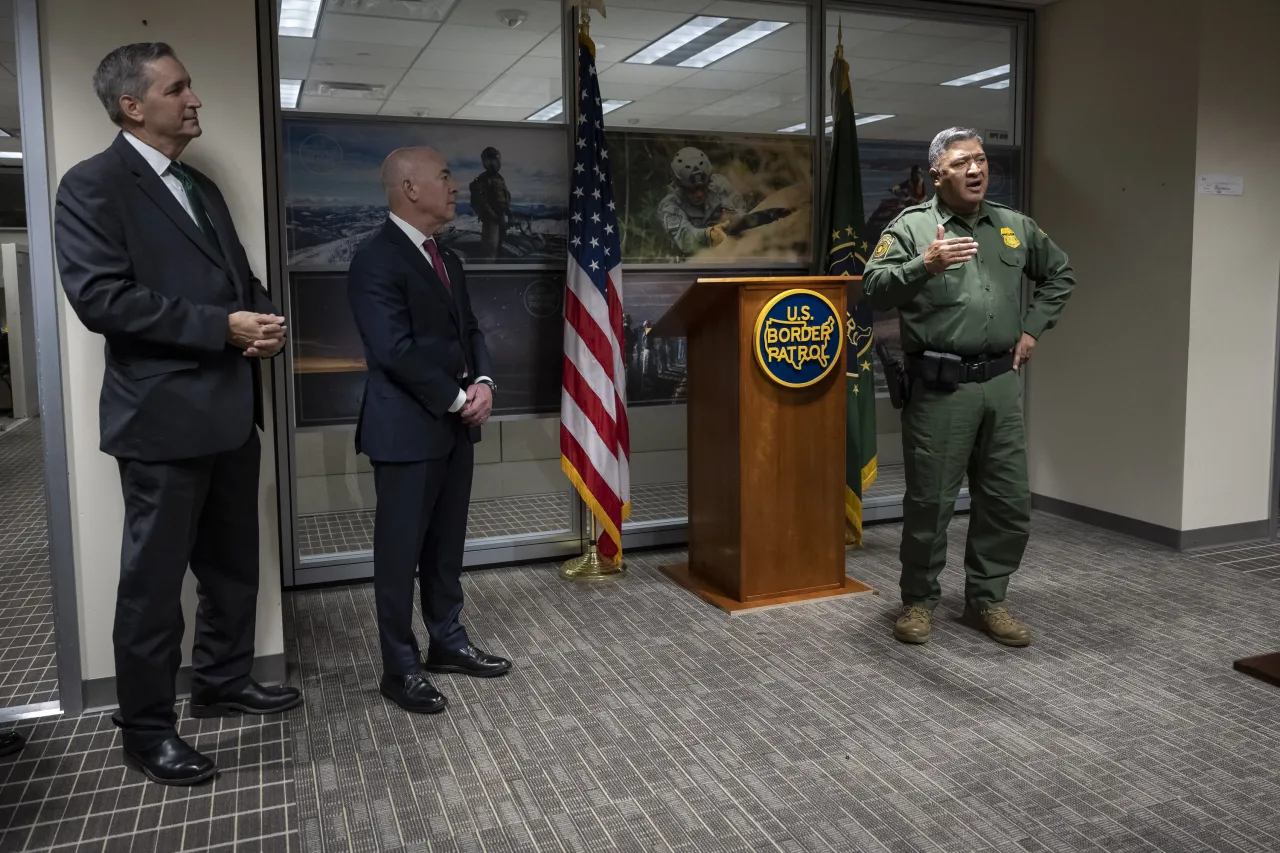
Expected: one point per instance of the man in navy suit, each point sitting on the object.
(150, 260)
(427, 394)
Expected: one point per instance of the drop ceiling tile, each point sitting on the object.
(543, 15)
(926, 73)
(363, 53)
(295, 57)
(683, 6)
(370, 74)
(376, 30)
(761, 61)
(415, 10)
(478, 113)
(434, 98)
(510, 43)
(646, 75)
(981, 55)
(950, 29)
(613, 50)
(354, 106)
(758, 11)
(645, 109)
(688, 98)
(852, 38)
(633, 91)
(901, 46)
(474, 81)
(863, 69)
(538, 66)
(856, 21)
(549, 47)
(407, 108)
(730, 80)
(796, 83)
(742, 104)
(642, 24)
(516, 90)
(474, 62)
(794, 39)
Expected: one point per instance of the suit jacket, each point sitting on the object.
(137, 269)
(418, 338)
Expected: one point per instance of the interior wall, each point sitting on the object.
(1235, 271)
(217, 42)
(1113, 166)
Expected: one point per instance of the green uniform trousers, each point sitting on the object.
(978, 429)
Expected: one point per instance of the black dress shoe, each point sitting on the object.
(171, 762)
(413, 692)
(253, 698)
(467, 660)
(11, 742)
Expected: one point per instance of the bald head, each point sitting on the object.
(420, 189)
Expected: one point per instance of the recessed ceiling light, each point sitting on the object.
(10, 155)
(289, 90)
(699, 26)
(298, 18)
(4, 133)
(868, 119)
(1001, 84)
(978, 77)
(610, 106)
(737, 41)
(548, 112)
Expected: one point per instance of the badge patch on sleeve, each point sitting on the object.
(882, 248)
(1010, 239)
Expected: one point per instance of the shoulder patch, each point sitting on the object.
(883, 247)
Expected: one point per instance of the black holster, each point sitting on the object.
(896, 376)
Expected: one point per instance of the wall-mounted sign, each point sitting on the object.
(799, 338)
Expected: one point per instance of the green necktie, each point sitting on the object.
(196, 200)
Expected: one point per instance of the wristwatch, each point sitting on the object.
(493, 387)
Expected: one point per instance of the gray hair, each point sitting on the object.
(126, 71)
(951, 136)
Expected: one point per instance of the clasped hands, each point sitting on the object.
(479, 405)
(258, 335)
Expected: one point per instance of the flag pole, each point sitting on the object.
(591, 566)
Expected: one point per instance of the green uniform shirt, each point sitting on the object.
(972, 308)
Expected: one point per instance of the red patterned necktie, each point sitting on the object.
(437, 263)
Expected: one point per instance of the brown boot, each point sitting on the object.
(997, 623)
(914, 625)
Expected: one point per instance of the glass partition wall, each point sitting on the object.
(709, 107)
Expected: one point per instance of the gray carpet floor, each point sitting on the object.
(639, 719)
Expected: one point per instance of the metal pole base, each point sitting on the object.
(591, 567)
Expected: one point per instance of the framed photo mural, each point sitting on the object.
(713, 199)
(513, 200)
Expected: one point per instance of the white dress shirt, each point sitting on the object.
(418, 239)
(161, 164)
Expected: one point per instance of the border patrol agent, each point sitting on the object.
(953, 268)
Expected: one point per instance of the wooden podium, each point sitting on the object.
(766, 461)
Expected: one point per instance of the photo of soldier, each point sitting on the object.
(491, 202)
(704, 199)
(699, 203)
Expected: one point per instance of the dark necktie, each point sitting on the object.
(196, 200)
(437, 263)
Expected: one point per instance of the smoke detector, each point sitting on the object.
(512, 18)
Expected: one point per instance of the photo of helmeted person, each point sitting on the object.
(699, 203)
(491, 202)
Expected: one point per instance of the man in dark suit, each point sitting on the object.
(427, 394)
(150, 260)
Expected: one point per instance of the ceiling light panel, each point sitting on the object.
(998, 71)
(289, 90)
(548, 112)
(737, 41)
(1001, 84)
(299, 17)
(677, 39)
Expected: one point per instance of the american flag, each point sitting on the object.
(594, 440)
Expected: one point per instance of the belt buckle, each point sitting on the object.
(979, 371)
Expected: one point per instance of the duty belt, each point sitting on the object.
(975, 368)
